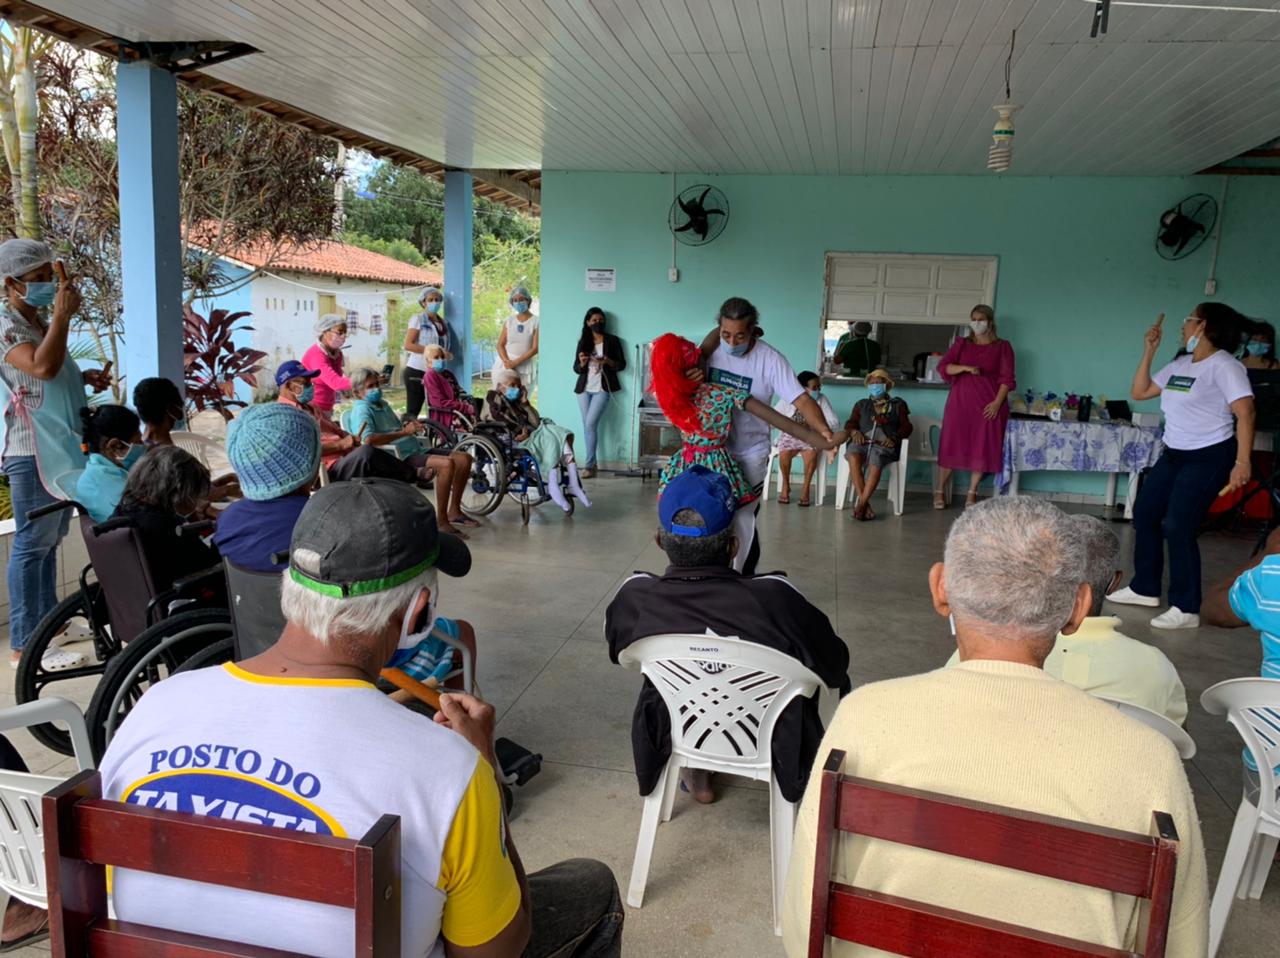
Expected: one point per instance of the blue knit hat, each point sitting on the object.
(274, 448)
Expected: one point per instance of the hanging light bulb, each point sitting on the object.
(1000, 156)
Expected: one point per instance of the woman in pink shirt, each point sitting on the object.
(444, 395)
(326, 356)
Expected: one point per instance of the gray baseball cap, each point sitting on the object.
(365, 536)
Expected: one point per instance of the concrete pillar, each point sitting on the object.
(458, 209)
(150, 246)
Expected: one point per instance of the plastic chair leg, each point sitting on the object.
(644, 842)
(768, 474)
(842, 480)
(1238, 848)
(782, 824)
(822, 479)
(670, 788)
(1264, 856)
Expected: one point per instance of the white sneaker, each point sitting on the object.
(57, 660)
(1127, 596)
(1175, 618)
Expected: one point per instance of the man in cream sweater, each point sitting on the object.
(997, 728)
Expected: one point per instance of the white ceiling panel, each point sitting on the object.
(736, 86)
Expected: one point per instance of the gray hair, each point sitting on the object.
(326, 617)
(431, 350)
(690, 552)
(1015, 563)
(328, 321)
(359, 376)
(166, 479)
(1102, 547)
(506, 375)
(20, 256)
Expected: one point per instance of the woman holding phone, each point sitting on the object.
(42, 390)
(1206, 455)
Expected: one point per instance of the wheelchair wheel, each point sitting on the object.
(154, 655)
(34, 680)
(488, 480)
(219, 653)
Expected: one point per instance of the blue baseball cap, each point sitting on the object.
(707, 493)
(292, 369)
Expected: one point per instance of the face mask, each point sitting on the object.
(1192, 343)
(437, 364)
(40, 294)
(409, 641)
(308, 393)
(815, 394)
(373, 395)
(979, 326)
(512, 393)
(519, 305)
(136, 452)
(596, 327)
(1257, 349)
(740, 350)
(433, 307)
(877, 390)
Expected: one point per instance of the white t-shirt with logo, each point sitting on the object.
(764, 373)
(428, 335)
(319, 756)
(1196, 399)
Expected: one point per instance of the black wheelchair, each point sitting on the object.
(138, 633)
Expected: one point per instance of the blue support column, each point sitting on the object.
(458, 209)
(150, 246)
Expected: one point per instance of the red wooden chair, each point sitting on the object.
(84, 834)
(1138, 865)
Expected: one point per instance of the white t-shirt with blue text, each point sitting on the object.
(1196, 399)
(763, 373)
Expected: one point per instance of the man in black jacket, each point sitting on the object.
(701, 593)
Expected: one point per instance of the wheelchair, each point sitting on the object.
(499, 466)
(138, 632)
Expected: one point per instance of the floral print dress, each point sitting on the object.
(706, 447)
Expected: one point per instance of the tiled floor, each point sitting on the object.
(537, 597)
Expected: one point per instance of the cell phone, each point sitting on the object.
(387, 370)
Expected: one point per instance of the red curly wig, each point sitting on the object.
(672, 357)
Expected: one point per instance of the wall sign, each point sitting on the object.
(602, 279)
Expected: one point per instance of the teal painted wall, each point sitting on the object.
(1078, 279)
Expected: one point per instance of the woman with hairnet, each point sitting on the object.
(427, 328)
(518, 341)
(325, 356)
(42, 391)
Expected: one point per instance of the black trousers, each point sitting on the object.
(370, 462)
(414, 393)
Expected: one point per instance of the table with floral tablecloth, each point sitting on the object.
(1110, 447)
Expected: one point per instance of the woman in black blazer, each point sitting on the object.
(599, 360)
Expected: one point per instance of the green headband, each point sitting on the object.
(367, 587)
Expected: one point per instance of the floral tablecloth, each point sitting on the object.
(1036, 444)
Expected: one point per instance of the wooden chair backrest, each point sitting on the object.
(1138, 865)
(84, 834)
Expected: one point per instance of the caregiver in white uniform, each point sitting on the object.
(736, 356)
(518, 341)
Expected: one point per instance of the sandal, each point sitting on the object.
(803, 503)
(939, 502)
(464, 520)
(784, 500)
(971, 500)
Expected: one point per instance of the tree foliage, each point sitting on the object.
(500, 266)
(401, 249)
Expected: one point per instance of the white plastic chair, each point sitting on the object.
(1253, 707)
(1183, 742)
(207, 450)
(22, 872)
(821, 471)
(724, 696)
(895, 482)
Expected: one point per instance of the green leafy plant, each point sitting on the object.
(212, 361)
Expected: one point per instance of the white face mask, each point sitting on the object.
(979, 326)
(409, 641)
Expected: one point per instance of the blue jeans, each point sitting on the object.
(1173, 501)
(592, 406)
(33, 557)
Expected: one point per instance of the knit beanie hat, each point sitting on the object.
(274, 448)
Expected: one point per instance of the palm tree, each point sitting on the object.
(20, 49)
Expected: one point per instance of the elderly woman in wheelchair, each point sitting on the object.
(549, 445)
(449, 405)
(372, 420)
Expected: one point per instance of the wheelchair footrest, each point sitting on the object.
(518, 763)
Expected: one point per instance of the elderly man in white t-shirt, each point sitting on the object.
(737, 357)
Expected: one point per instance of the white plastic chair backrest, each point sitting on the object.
(723, 694)
(1183, 742)
(22, 871)
(1252, 705)
(921, 444)
(199, 446)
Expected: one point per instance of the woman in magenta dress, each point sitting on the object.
(979, 368)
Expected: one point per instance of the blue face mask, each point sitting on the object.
(437, 364)
(308, 393)
(433, 307)
(815, 394)
(136, 452)
(877, 390)
(520, 305)
(1192, 343)
(740, 350)
(373, 395)
(1257, 349)
(40, 294)
(512, 393)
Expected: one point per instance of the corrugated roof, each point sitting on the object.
(333, 258)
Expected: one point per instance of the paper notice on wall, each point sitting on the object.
(602, 279)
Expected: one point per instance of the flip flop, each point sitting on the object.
(784, 500)
(803, 503)
(456, 532)
(464, 521)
